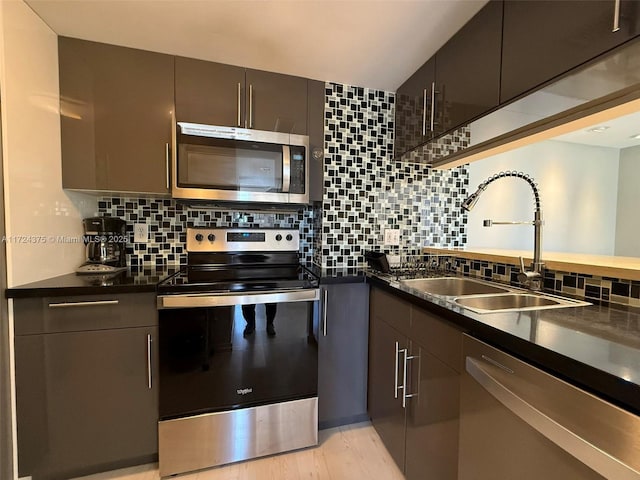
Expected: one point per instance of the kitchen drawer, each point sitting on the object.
(438, 338)
(81, 313)
(390, 309)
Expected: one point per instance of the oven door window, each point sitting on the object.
(208, 363)
(230, 165)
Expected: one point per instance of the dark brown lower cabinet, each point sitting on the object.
(87, 401)
(432, 418)
(413, 398)
(385, 404)
(342, 354)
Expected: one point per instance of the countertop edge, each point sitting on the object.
(342, 280)
(17, 292)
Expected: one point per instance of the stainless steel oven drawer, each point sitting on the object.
(204, 441)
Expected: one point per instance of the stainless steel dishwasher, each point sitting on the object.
(517, 421)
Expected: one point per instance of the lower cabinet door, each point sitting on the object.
(384, 399)
(342, 355)
(432, 418)
(86, 401)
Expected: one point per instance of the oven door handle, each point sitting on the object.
(228, 299)
(286, 168)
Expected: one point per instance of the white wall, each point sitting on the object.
(34, 200)
(577, 185)
(628, 220)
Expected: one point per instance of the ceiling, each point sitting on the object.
(616, 133)
(367, 43)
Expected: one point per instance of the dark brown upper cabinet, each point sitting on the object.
(415, 114)
(542, 40)
(116, 106)
(468, 70)
(209, 93)
(217, 94)
(315, 124)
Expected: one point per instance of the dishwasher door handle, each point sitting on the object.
(592, 456)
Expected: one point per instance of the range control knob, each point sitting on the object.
(289, 237)
(199, 237)
(211, 237)
(278, 237)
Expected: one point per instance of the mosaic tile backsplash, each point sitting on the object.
(168, 221)
(366, 191)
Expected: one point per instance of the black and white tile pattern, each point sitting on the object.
(366, 191)
(167, 221)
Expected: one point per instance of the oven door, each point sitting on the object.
(234, 164)
(208, 365)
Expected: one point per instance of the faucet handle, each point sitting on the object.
(522, 269)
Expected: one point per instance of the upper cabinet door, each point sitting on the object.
(315, 127)
(115, 108)
(276, 102)
(545, 39)
(415, 120)
(468, 69)
(209, 93)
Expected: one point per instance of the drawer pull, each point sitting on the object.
(84, 304)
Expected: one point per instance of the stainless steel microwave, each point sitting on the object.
(239, 164)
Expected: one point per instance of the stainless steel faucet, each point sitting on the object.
(530, 278)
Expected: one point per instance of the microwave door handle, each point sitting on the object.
(286, 168)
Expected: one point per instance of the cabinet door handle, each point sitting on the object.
(433, 104)
(95, 303)
(399, 387)
(424, 113)
(404, 376)
(239, 104)
(167, 155)
(325, 302)
(149, 373)
(616, 16)
(395, 383)
(406, 395)
(250, 106)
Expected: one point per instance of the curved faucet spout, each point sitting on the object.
(531, 278)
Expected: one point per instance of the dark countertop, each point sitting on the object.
(330, 276)
(145, 280)
(128, 281)
(595, 347)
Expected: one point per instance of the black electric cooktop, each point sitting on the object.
(244, 278)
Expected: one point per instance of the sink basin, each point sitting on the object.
(453, 286)
(515, 301)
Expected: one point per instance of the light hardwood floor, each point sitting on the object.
(344, 453)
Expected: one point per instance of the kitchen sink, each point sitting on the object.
(453, 286)
(515, 301)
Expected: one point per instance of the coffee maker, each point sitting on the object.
(105, 241)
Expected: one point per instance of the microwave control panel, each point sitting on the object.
(297, 169)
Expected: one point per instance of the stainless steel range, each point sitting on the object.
(238, 356)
